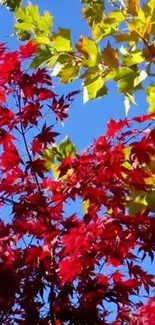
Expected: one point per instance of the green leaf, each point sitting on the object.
(125, 72)
(68, 73)
(58, 152)
(93, 12)
(43, 56)
(127, 151)
(150, 93)
(66, 148)
(115, 16)
(132, 58)
(45, 23)
(29, 19)
(126, 78)
(26, 26)
(92, 88)
(102, 30)
(139, 204)
(150, 199)
(12, 4)
(33, 11)
(126, 85)
(49, 156)
(62, 40)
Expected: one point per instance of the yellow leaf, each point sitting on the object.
(55, 170)
(86, 205)
(110, 57)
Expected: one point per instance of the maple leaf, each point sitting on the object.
(60, 108)
(2, 95)
(28, 49)
(30, 113)
(7, 117)
(37, 166)
(10, 158)
(32, 254)
(6, 138)
(44, 94)
(69, 269)
(46, 136)
(114, 127)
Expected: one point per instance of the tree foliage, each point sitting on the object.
(127, 29)
(57, 268)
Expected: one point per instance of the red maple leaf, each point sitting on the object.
(28, 49)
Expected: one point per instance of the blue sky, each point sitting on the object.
(86, 121)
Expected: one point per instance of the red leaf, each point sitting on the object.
(32, 254)
(28, 49)
(2, 95)
(114, 126)
(44, 94)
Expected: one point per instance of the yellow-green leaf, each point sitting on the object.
(103, 29)
(150, 93)
(62, 40)
(133, 58)
(69, 73)
(65, 148)
(150, 199)
(93, 12)
(139, 204)
(92, 87)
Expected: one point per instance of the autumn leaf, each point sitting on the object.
(110, 56)
(133, 6)
(89, 49)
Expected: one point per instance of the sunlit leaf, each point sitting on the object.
(133, 6)
(86, 205)
(93, 12)
(110, 56)
(62, 40)
(89, 49)
(92, 88)
(28, 18)
(150, 93)
(68, 73)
